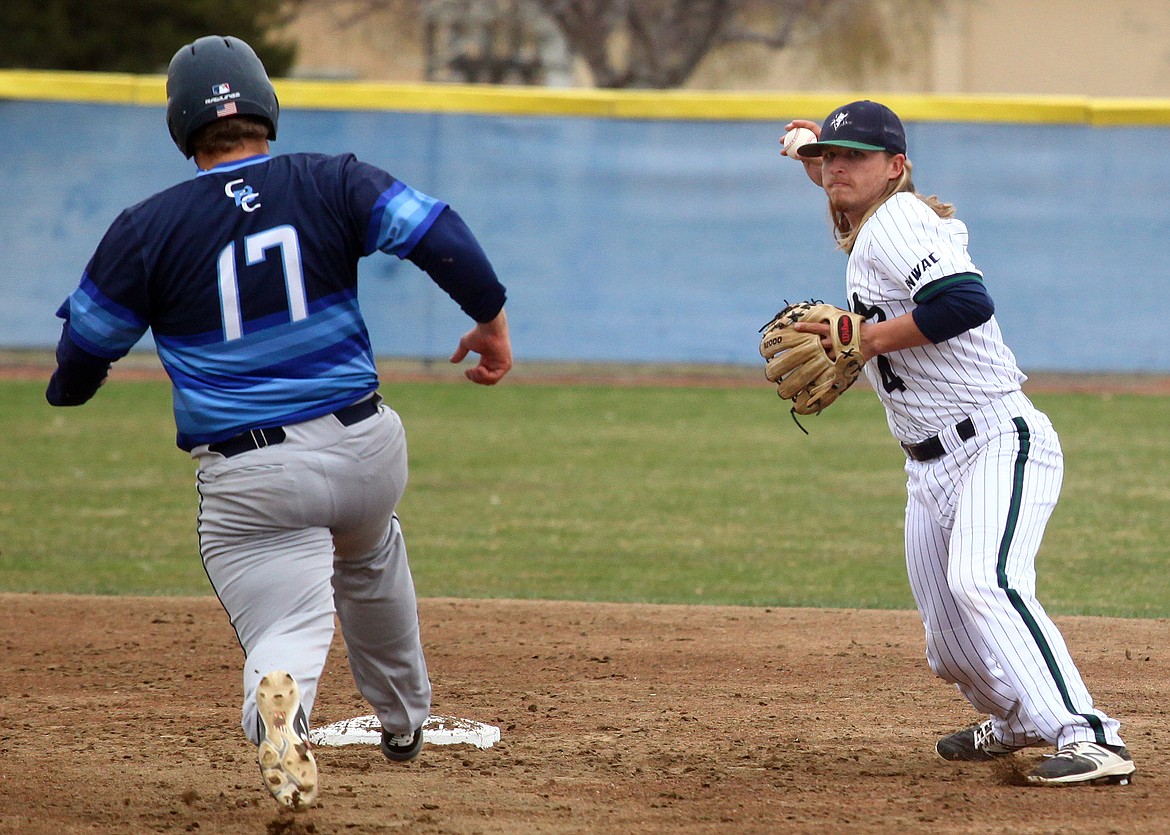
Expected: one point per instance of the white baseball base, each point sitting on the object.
(437, 730)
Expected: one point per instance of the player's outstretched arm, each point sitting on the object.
(493, 344)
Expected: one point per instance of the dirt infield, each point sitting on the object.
(120, 715)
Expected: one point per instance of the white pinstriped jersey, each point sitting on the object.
(903, 248)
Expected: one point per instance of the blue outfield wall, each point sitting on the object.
(642, 239)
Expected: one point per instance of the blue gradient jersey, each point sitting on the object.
(247, 276)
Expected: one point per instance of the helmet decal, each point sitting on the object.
(212, 78)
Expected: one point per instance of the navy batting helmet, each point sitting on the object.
(212, 78)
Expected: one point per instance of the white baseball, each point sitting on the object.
(795, 139)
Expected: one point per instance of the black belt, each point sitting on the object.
(260, 438)
(933, 448)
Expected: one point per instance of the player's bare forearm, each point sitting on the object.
(876, 337)
(895, 334)
(493, 344)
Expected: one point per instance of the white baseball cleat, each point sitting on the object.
(286, 759)
(1085, 762)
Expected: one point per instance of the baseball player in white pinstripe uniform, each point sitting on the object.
(984, 466)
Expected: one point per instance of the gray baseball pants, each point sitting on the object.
(296, 533)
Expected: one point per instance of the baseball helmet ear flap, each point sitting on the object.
(216, 77)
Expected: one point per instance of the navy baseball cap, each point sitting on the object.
(865, 125)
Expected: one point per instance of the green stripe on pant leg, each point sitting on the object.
(1017, 602)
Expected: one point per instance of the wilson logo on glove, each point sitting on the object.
(845, 330)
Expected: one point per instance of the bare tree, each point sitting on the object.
(491, 41)
(641, 43)
(659, 43)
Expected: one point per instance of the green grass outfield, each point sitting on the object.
(632, 492)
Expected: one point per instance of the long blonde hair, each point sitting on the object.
(846, 234)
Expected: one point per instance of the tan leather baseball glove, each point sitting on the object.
(797, 363)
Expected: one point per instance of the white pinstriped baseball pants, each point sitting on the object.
(974, 521)
(295, 533)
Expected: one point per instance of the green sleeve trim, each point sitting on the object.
(935, 287)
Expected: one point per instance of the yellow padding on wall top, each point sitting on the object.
(119, 88)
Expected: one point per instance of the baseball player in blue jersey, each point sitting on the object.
(984, 466)
(247, 276)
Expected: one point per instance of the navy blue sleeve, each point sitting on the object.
(78, 376)
(958, 304)
(450, 254)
